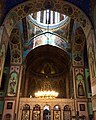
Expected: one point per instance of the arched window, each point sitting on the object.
(36, 112)
(26, 112)
(48, 19)
(46, 113)
(67, 112)
(57, 112)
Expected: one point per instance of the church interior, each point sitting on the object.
(48, 60)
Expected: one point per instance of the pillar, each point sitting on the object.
(31, 114)
(61, 114)
(52, 114)
(67, 87)
(41, 114)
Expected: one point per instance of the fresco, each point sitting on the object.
(1, 31)
(12, 86)
(15, 46)
(2, 60)
(13, 80)
(11, 20)
(78, 59)
(28, 7)
(92, 61)
(80, 82)
(9, 4)
(45, 39)
(80, 85)
(88, 83)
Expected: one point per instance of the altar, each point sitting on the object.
(46, 109)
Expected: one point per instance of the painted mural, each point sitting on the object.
(2, 60)
(78, 59)
(80, 85)
(57, 115)
(12, 86)
(78, 46)
(15, 46)
(11, 20)
(26, 8)
(44, 39)
(92, 61)
(80, 82)
(88, 83)
(1, 32)
(13, 81)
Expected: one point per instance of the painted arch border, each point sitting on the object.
(22, 10)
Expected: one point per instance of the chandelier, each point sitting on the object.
(46, 91)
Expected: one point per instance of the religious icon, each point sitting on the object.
(36, 115)
(9, 105)
(25, 115)
(12, 85)
(80, 89)
(82, 107)
(56, 115)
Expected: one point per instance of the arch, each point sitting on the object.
(67, 112)
(57, 107)
(26, 107)
(25, 112)
(46, 112)
(67, 108)
(23, 9)
(36, 107)
(57, 112)
(36, 113)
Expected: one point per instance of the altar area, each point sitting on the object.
(46, 109)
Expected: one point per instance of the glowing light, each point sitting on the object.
(46, 94)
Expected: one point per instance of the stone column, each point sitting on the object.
(67, 87)
(26, 85)
(30, 114)
(18, 92)
(52, 114)
(20, 114)
(41, 114)
(61, 114)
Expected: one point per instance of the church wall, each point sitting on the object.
(82, 108)
(3, 51)
(9, 23)
(9, 108)
(92, 61)
(78, 43)
(88, 91)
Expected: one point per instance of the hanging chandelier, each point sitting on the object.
(46, 92)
